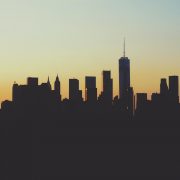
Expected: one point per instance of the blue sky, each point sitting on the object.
(75, 38)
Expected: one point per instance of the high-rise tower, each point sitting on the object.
(49, 84)
(124, 74)
(164, 87)
(57, 87)
(174, 88)
(90, 89)
(75, 95)
(107, 86)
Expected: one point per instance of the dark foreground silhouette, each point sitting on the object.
(53, 141)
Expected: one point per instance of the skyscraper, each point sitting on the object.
(124, 75)
(75, 95)
(107, 86)
(174, 88)
(57, 88)
(90, 89)
(163, 87)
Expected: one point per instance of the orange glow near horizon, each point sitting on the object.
(142, 80)
(41, 38)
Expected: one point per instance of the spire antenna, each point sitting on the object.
(124, 47)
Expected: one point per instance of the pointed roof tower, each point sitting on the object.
(49, 83)
(57, 78)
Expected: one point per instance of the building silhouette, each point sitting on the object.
(57, 88)
(124, 75)
(164, 90)
(130, 102)
(90, 89)
(75, 95)
(174, 88)
(49, 83)
(107, 93)
(15, 92)
(141, 100)
(126, 93)
(33, 95)
(32, 81)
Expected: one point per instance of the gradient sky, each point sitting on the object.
(75, 38)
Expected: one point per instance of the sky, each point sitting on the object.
(75, 38)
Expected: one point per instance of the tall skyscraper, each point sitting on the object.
(75, 94)
(174, 88)
(164, 87)
(124, 75)
(90, 89)
(57, 87)
(107, 86)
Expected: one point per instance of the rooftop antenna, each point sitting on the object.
(124, 47)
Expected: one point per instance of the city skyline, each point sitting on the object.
(167, 87)
(43, 38)
(116, 90)
(89, 88)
